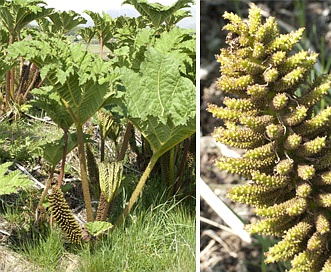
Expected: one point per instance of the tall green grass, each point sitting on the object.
(158, 237)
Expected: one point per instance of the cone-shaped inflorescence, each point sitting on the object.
(288, 157)
(63, 216)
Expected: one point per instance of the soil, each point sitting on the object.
(230, 253)
(12, 261)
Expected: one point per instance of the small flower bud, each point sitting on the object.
(279, 101)
(306, 172)
(270, 75)
(292, 142)
(274, 131)
(284, 167)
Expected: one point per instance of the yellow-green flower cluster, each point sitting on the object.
(63, 217)
(288, 156)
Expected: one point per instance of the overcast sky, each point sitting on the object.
(112, 7)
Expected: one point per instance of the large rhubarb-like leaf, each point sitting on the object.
(155, 12)
(181, 44)
(10, 182)
(49, 101)
(81, 79)
(14, 15)
(65, 21)
(160, 102)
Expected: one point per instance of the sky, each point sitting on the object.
(112, 7)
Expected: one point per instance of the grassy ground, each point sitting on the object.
(160, 239)
(159, 234)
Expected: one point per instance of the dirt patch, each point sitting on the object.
(14, 262)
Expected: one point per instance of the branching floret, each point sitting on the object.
(288, 157)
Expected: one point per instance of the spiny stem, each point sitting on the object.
(83, 173)
(64, 155)
(137, 190)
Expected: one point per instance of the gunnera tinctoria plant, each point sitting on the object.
(288, 155)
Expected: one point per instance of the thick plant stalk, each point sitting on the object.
(172, 166)
(12, 83)
(83, 173)
(24, 77)
(93, 171)
(64, 156)
(137, 190)
(33, 82)
(82, 163)
(7, 89)
(125, 143)
(183, 161)
(45, 191)
(165, 168)
(10, 79)
(101, 47)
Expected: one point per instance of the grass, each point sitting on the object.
(159, 234)
(95, 48)
(45, 252)
(161, 238)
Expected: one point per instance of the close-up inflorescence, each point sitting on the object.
(269, 111)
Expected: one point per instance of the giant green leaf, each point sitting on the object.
(65, 21)
(16, 14)
(160, 102)
(181, 44)
(10, 182)
(84, 100)
(162, 137)
(177, 16)
(87, 34)
(49, 101)
(155, 12)
(60, 22)
(81, 79)
(103, 25)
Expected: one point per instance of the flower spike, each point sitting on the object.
(288, 148)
